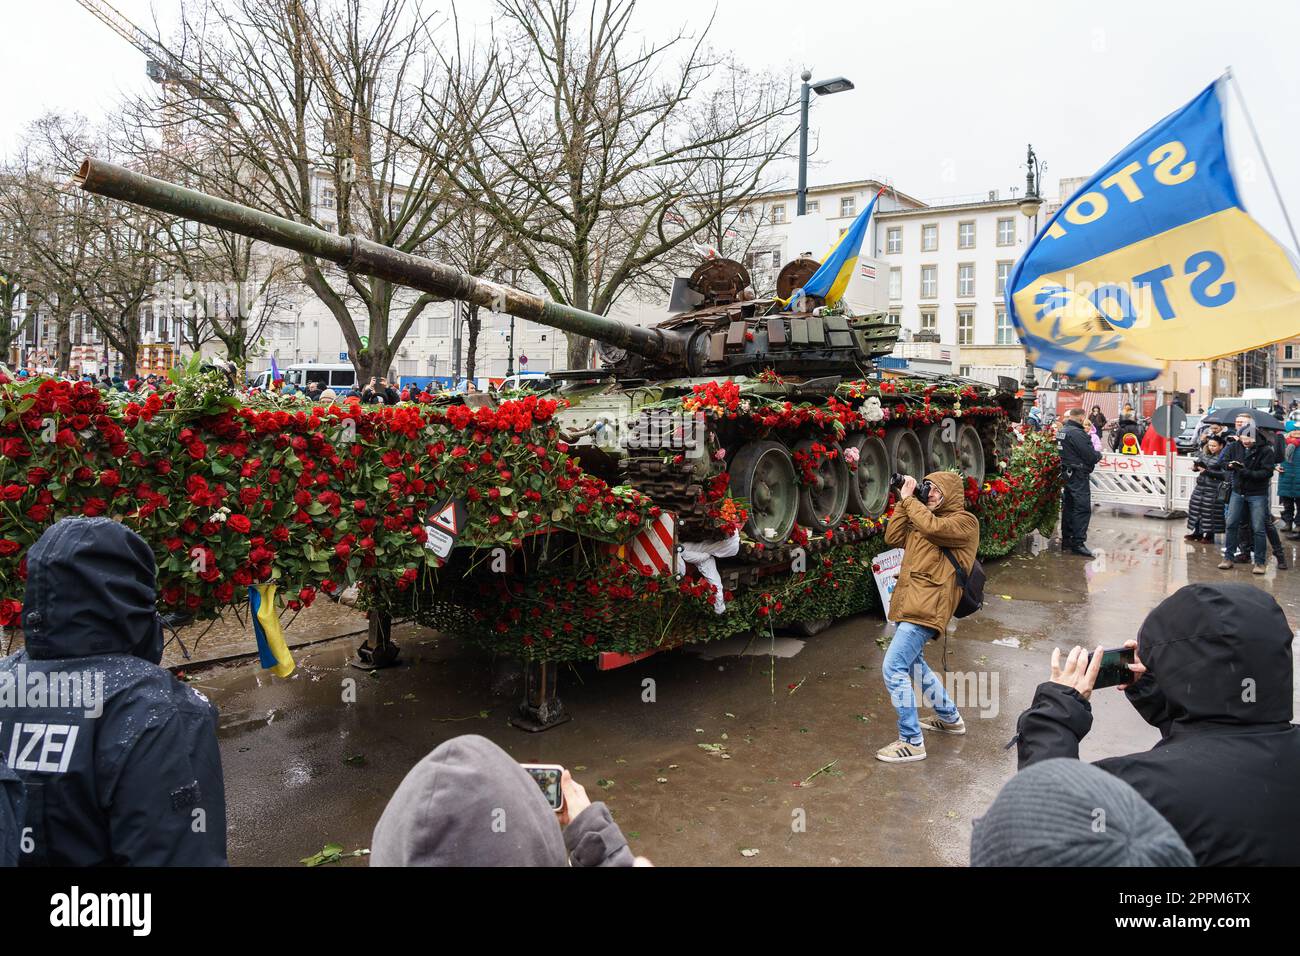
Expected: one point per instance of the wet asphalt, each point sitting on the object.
(703, 761)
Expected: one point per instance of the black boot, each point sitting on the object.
(1081, 549)
(1281, 561)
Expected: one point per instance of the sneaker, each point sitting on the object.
(900, 751)
(1281, 563)
(1225, 565)
(940, 726)
(1259, 569)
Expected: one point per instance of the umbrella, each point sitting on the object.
(1228, 416)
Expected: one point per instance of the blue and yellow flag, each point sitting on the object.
(271, 648)
(1154, 260)
(832, 278)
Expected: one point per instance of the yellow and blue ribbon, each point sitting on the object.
(271, 647)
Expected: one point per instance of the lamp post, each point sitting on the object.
(822, 88)
(1030, 203)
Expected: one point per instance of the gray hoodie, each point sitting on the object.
(468, 803)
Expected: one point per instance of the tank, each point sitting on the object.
(782, 395)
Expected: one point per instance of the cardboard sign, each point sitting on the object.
(884, 567)
(443, 524)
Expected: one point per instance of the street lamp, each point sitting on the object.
(1030, 203)
(822, 88)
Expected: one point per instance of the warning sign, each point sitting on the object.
(442, 526)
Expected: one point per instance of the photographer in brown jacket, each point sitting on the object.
(923, 602)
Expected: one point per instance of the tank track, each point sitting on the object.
(674, 487)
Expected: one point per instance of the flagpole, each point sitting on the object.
(1263, 155)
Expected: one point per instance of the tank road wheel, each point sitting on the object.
(940, 455)
(970, 454)
(763, 474)
(869, 482)
(905, 454)
(822, 503)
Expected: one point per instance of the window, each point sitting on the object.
(763, 260)
(965, 326)
(778, 213)
(966, 235)
(965, 280)
(1004, 273)
(963, 371)
(895, 317)
(929, 323)
(929, 238)
(813, 205)
(1006, 335)
(1287, 350)
(439, 325)
(895, 284)
(929, 282)
(746, 215)
(894, 240)
(327, 197)
(848, 205)
(1007, 231)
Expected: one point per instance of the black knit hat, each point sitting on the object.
(1069, 813)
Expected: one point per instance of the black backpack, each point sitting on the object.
(971, 584)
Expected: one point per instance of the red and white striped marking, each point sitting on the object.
(654, 550)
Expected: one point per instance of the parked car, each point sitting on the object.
(1189, 437)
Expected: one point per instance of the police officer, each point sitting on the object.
(118, 758)
(1078, 458)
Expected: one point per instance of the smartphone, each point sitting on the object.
(548, 777)
(1114, 667)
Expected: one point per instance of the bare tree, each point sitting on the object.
(618, 142)
(318, 103)
(85, 255)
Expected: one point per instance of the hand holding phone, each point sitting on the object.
(1115, 666)
(575, 799)
(548, 777)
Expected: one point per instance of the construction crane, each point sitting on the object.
(161, 65)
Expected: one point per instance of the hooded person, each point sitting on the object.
(119, 759)
(1215, 677)
(933, 535)
(467, 803)
(1068, 813)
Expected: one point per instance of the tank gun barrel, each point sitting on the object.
(363, 256)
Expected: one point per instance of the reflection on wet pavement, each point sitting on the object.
(702, 758)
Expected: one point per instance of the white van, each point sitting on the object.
(341, 378)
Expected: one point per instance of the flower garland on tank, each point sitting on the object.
(912, 401)
(579, 610)
(316, 497)
(312, 498)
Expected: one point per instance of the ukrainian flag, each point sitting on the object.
(271, 648)
(830, 281)
(1154, 260)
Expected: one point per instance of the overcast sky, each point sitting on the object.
(948, 93)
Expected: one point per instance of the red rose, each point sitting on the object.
(8, 547)
(109, 478)
(12, 492)
(343, 550)
(240, 523)
(94, 507)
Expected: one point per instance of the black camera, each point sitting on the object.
(921, 492)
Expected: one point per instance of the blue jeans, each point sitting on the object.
(904, 661)
(1237, 505)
